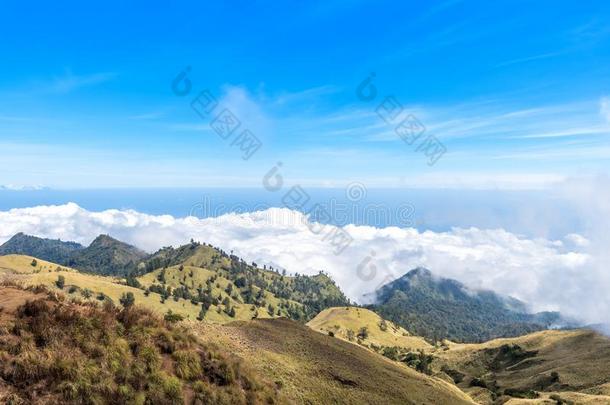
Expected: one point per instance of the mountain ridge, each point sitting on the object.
(53, 250)
(441, 308)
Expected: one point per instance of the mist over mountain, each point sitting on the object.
(439, 308)
(422, 303)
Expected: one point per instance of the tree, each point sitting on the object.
(202, 313)
(270, 310)
(34, 263)
(127, 299)
(424, 362)
(383, 325)
(363, 333)
(350, 335)
(133, 282)
(87, 293)
(61, 281)
(232, 312)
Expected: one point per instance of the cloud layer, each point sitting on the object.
(548, 274)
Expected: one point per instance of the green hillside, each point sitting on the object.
(51, 250)
(222, 282)
(107, 256)
(438, 308)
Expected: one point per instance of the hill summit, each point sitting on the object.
(53, 250)
(438, 308)
(108, 256)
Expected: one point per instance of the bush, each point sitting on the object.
(172, 317)
(83, 354)
(127, 299)
(188, 365)
(391, 353)
(478, 382)
(61, 282)
(34, 263)
(363, 333)
(518, 393)
(383, 325)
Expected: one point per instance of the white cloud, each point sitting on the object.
(604, 108)
(549, 274)
(248, 110)
(69, 82)
(13, 187)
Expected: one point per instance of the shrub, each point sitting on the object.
(478, 382)
(77, 355)
(34, 263)
(61, 282)
(172, 317)
(363, 333)
(127, 299)
(519, 393)
(391, 352)
(383, 325)
(188, 364)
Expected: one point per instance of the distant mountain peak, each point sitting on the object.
(419, 272)
(421, 302)
(53, 250)
(106, 240)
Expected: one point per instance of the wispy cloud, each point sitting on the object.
(70, 82)
(530, 58)
(604, 108)
(305, 95)
(148, 116)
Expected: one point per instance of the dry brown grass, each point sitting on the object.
(318, 369)
(580, 359)
(54, 351)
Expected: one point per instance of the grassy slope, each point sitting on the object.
(339, 319)
(580, 357)
(175, 277)
(207, 257)
(314, 368)
(301, 297)
(45, 273)
(53, 351)
(23, 264)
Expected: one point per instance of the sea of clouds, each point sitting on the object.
(567, 274)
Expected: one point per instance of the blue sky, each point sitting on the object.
(518, 92)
